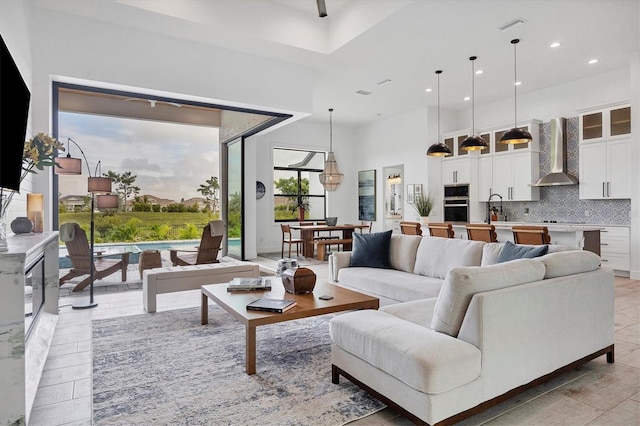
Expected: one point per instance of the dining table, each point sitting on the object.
(307, 233)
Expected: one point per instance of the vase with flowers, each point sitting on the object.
(39, 152)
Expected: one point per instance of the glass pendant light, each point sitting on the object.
(515, 135)
(438, 149)
(473, 142)
(330, 177)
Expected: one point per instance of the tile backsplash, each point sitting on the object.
(563, 203)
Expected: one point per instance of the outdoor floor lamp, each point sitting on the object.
(95, 185)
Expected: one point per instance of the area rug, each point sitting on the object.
(167, 369)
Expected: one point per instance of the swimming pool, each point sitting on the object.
(65, 263)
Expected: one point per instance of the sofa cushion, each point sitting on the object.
(371, 250)
(491, 251)
(569, 262)
(436, 256)
(416, 311)
(402, 251)
(512, 251)
(463, 282)
(425, 360)
(390, 283)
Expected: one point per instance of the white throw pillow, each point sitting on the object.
(402, 251)
(571, 262)
(436, 256)
(463, 282)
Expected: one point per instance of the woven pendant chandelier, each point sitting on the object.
(331, 177)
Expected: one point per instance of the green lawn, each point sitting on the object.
(143, 226)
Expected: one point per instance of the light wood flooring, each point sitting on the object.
(596, 394)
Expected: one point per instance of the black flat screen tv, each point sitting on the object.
(14, 112)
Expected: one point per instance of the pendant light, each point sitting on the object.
(330, 177)
(515, 135)
(438, 149)
(473, 142)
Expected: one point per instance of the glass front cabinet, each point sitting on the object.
(605, 148)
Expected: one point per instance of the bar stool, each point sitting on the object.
(444, 230)
(482, 232)
(534, 235)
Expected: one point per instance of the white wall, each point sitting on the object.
(304, 134)
(68, 48)
(14, 27)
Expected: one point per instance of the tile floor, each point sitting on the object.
(596, 394)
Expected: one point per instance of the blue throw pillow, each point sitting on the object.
(512, 251)
(371, 250)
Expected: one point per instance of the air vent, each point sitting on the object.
(363, 92)
(385, 81)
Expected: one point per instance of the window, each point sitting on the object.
(296, 182)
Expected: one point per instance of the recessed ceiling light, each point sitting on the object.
(467, 98)
(554, 44)
(593, 61)
(385, 81)
(517, 83)
(427, 90)
(479, 72)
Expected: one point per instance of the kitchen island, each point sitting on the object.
(581, 236)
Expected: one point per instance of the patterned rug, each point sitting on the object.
(167, 369)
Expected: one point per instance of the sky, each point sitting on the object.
(170, 160)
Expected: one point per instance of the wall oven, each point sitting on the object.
(456, 203)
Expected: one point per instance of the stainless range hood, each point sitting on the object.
(557, 157)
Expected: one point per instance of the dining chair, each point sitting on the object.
(444, 230)
(206, 252)
(534, 235)
(75, 239)
(324, 235)
(411, 228)
(482, 232)
(287, 238)
(368, 225)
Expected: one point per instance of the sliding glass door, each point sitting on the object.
(234, 198)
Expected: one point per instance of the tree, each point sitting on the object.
(124, 185)
(295, 194)
(210, 192)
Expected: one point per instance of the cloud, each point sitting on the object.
(170, 160)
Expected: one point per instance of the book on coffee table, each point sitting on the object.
(271, 305)
(249, 284)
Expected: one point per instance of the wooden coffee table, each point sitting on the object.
(308, 305)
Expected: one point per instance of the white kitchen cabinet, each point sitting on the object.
(614, 247)
(605, 124)
(605, 170)
(454, 140)
(485, 178)
(456, 170)
(513, 174)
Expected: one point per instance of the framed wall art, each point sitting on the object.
(410, 191)
(367, 195)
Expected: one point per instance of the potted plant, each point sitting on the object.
(424, 205)
(303, 206)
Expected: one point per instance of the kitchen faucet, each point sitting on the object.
(489, 206)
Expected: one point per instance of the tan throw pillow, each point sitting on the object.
(463, 282)
(402, 251)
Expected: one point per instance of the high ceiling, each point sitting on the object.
(363, 42)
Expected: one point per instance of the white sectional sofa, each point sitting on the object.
(487, 332)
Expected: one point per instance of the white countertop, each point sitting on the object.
(552, 227)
